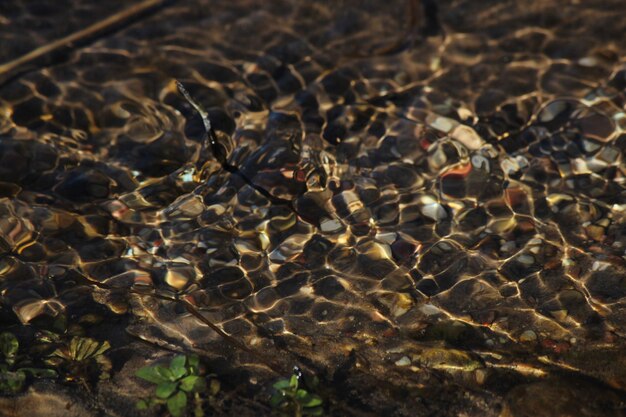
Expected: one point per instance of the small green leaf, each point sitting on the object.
(282, 385)
(45, 336)
(150, 374)
(12, 382)
(83, 348)
(165, 373)
(104, 346)
(293, 382)
(193, 362)
(54, 361)
(75, 348)
(62, 353)
(316, 411)
(188, 383)
(177, 366)
(9, 346)
(177, 403)
(165, 389)
(141, 405)
(40, 372)
(309, 400)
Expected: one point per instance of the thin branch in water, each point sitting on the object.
(201, 111)
(41, 56)
(191, 309)
(220, 153)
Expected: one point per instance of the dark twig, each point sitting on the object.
(194, 312)
(220, 153)
(40, 57)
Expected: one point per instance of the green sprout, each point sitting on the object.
(15, 368)
(175, 384)
(291, 399)
(82, 358)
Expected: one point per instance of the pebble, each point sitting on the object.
(468, 137)
(430, 309)
(443, 124)
(480, 375)
(435, 212)
(176, 279)
(559, 314)
(528, 336)
(403, 361)
(330, 225)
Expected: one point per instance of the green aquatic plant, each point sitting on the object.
(82, 359)
(9, 346)
(291, 398)
(15, 368)
(174, 385)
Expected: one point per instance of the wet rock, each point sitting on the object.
(403, 361)
(562, 398)
(46, 399)
(450, 331)
(605, 363)
(450, 360)
(528, 336)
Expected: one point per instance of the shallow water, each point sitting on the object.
(415, 200)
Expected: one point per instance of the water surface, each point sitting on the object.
(422, 203)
